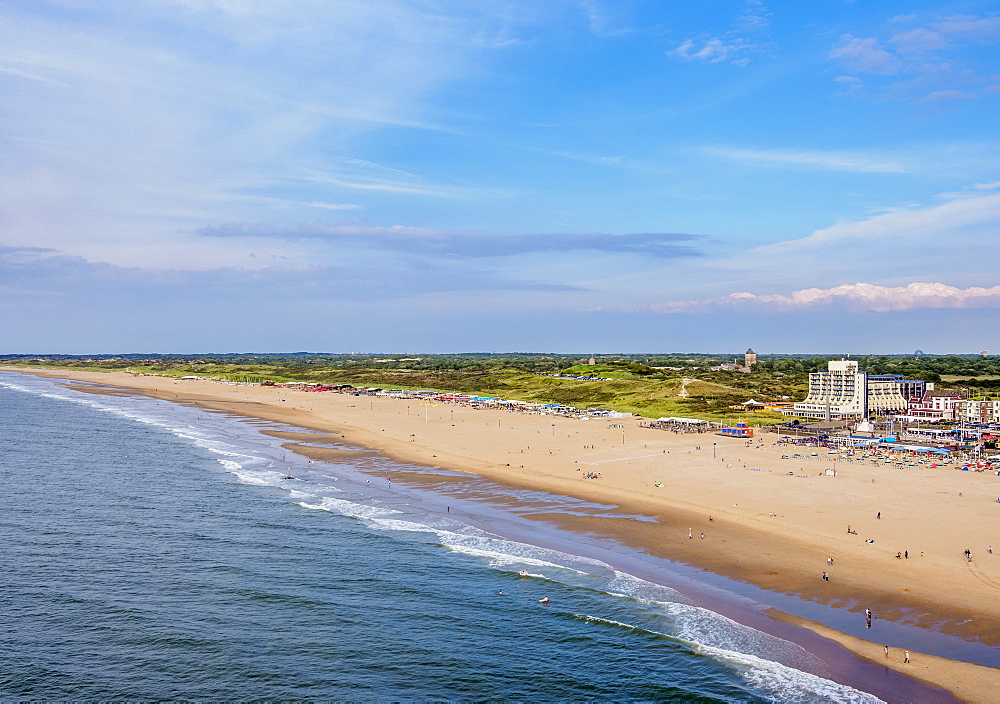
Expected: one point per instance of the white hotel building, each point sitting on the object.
(844, 392)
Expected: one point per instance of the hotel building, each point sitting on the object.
(845, 392)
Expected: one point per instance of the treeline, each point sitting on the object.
(926, 367)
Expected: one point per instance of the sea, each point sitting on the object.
(159, 551)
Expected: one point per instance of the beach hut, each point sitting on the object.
(740, 430)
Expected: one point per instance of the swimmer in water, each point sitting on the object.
(543, 600)
(522, 573)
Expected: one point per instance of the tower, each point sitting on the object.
(749, 359)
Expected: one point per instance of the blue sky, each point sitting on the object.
(438, 175)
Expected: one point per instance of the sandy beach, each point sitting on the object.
(734, 509)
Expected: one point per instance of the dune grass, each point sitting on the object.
(627, 392)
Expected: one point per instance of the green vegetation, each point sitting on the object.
(648, 385)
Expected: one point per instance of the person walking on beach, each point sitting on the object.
(690, 533)
(826, 576)
(885, 649)
(829, 560)
(906, 657)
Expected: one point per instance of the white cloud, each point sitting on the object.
(856, 297)
(600, 17)
(920, 40)
(985, 29)
(971, 218)
(952, 241)
(753, 17)
(944, 95)
(865, 55)
(131, 123)
(747, 36)
(834, 161)
(935, 62)
(711, 50)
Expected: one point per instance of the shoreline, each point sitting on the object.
(742, 545)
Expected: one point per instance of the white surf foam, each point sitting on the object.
(225, 449)
(125, 411)
(628, 585)
(251, 479)
(348, 508)
(770, 678)
(710, 629)
(606, 621)
(786, 684)
(500, 559)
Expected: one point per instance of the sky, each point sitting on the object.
(590, 176)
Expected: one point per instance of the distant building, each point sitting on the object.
(935, 405)
(749, 359)
(978, 411)
(728, 367)
(845, 392)
(908, 388)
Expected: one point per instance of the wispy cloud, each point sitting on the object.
(31, 76)
(134, 124)
(953, 239)
(865, 55)
(594, 159)
(712, 49)
(939, 95)
(834, 161)
(854, 297)
(602, 19)
(934, 62)
(747, 36)
(27, 272)
(975, 215)
(472, 245)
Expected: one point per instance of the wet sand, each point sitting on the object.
(768, 528)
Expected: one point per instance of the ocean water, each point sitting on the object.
(157, 551)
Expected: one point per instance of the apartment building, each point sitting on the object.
(843, 391)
